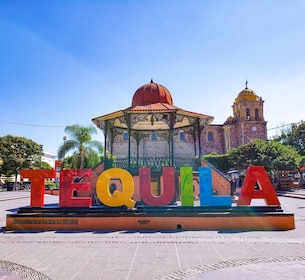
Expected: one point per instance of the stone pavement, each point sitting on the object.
(152, 255)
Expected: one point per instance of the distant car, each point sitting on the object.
(27, 186)
(9, 186)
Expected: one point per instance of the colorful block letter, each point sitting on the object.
(117, 198)
(37, 178)
(206, 192)
(68, 186)
(257, 174)
(187, 189)
(168, 194)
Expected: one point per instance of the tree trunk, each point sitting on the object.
(15, 183)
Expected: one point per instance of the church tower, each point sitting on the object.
(248, 121)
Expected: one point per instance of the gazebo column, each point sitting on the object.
(105, 140)
(108, 139)
(199, 129)
(172, 146)
(111, 143)
(129, 137)
(171, 138)
(195, 140)
(169, 146)
(138, 144)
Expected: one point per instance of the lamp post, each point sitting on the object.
(64, 138)
(40, 156)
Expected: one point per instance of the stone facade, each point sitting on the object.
(246, 125)
(154, 145)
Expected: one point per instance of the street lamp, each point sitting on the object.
(40, 156)
(64, 138)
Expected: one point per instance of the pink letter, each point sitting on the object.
(168, 194)
(67, 186)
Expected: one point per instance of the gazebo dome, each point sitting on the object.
(151, 93)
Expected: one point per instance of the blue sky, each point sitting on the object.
(67, 61)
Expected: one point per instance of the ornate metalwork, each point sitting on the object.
(135, 118)
(166, 122)
(155, 163)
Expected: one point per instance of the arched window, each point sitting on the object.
(247, 114)
(210, 136)
(256, 114)
(181, 136)
(125, 136)
(153, 137)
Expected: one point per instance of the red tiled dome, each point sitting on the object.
(151, 93)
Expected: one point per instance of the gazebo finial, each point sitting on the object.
(151, 81)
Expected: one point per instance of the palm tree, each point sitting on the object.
(84, 148)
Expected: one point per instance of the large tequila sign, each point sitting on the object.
(255, 176)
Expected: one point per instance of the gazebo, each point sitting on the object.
(152, 132)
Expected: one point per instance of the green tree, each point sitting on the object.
(302, 161)
(86, 152)
(273, 155)
(293, 136)
(220, 162)
(18, 153)
(45, 165)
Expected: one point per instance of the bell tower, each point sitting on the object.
(248, 121)
(248, 106)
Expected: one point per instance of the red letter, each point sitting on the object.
(37, 178)
(257, 174)
(67, 186)
(168, 191)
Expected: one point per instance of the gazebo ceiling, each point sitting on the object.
(151, 112)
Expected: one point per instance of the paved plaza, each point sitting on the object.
(152, 255)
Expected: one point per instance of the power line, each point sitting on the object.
(34, 125)
(63, 126)
(284, 125)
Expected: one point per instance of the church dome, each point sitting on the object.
(151, 93)
(230, 120)
(247, 94)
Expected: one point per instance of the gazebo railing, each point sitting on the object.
(155, 163)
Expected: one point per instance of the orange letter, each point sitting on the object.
(37, 178)
(117, 198)
(257, 174)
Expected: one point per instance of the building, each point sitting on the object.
(247, 124)
(153, 132)
(48, 158)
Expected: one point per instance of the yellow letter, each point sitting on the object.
(117, 198)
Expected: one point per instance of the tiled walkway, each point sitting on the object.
(153, 255)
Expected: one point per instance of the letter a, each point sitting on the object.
(257, 174)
